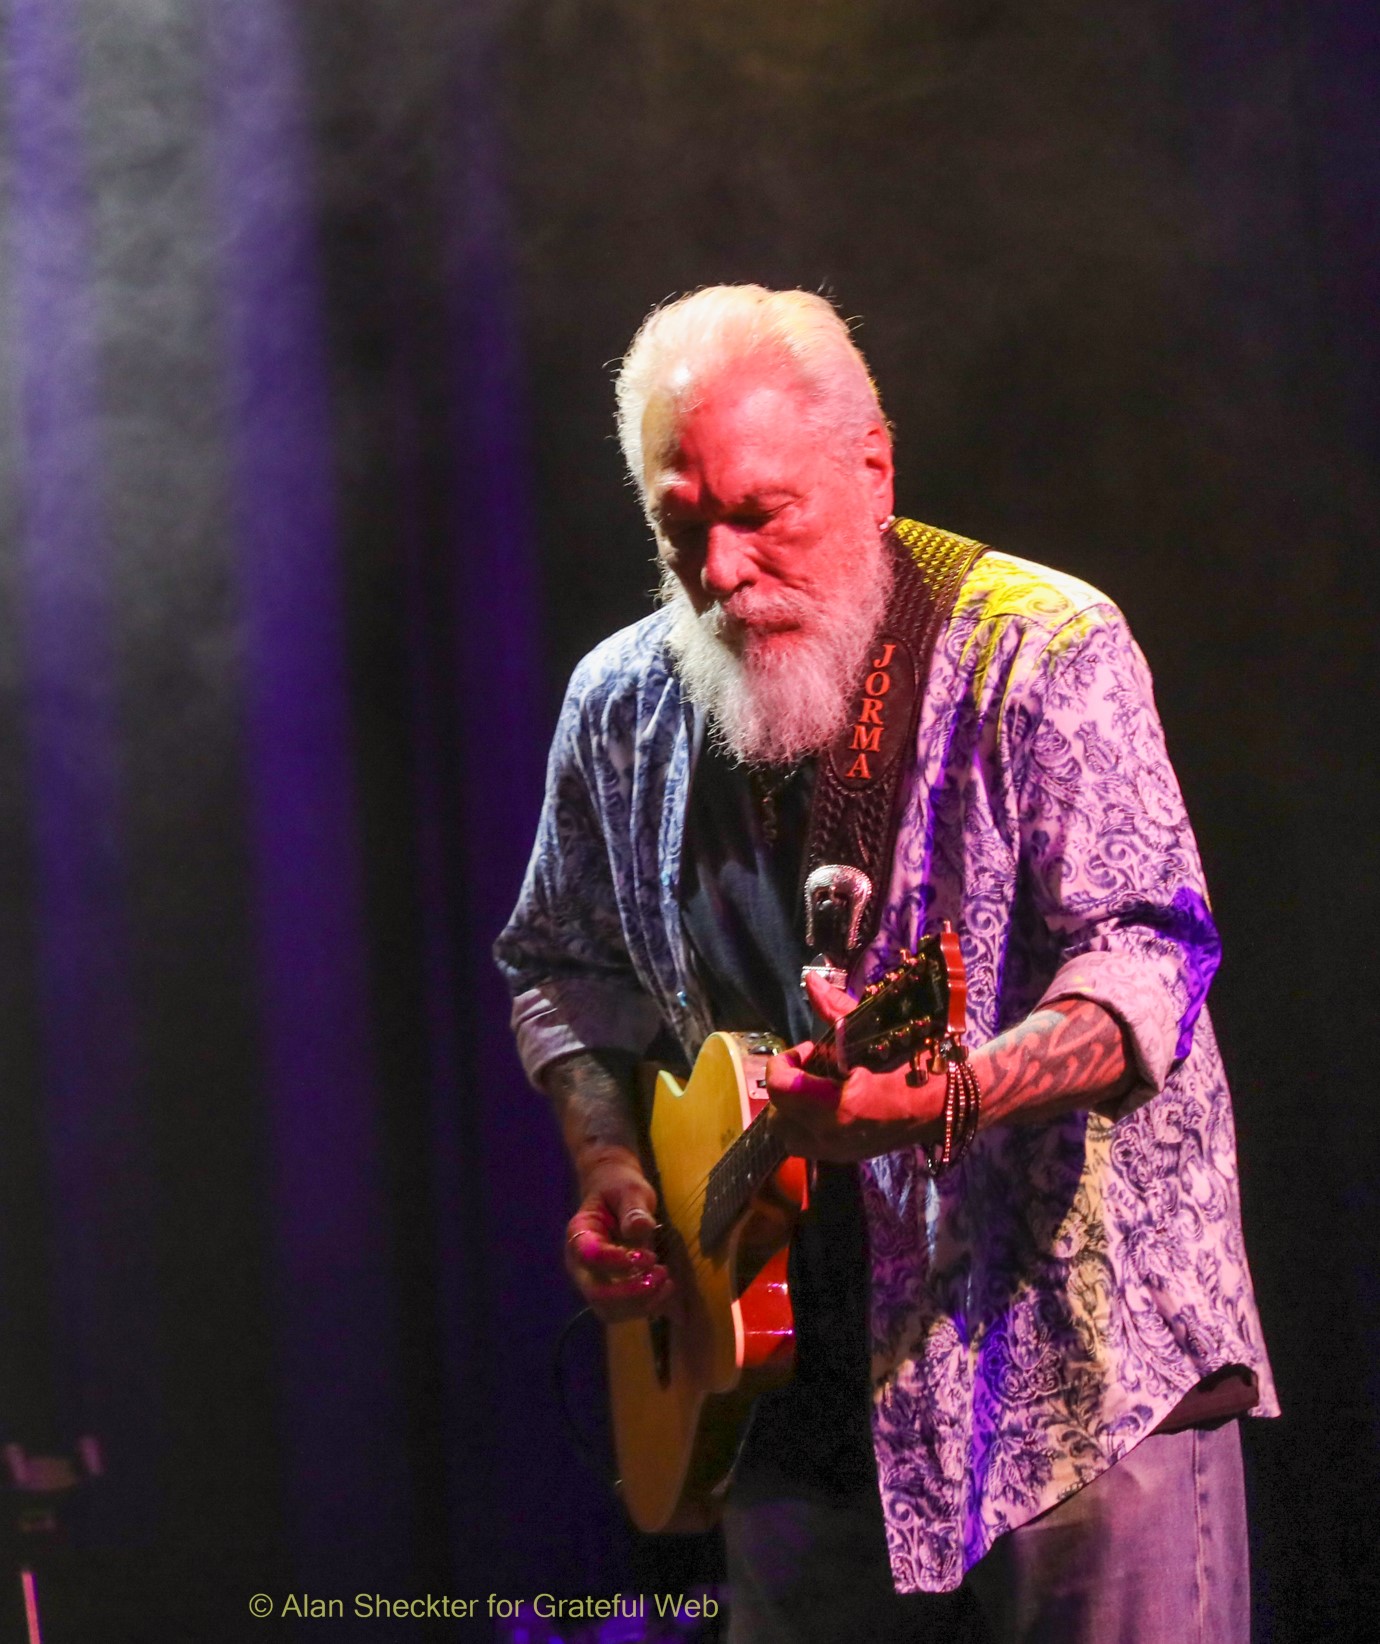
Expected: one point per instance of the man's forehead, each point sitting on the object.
(754, 426)
(732, 390)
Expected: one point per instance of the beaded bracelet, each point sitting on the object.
(962, 1109)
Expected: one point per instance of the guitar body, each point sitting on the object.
(681, 1386)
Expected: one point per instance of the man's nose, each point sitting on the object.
(728, 562)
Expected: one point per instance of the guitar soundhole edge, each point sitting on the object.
(659, 1329)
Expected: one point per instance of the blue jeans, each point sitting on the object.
(1153, 1551)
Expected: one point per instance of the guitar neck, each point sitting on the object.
(755, 1155)
(908, 1012)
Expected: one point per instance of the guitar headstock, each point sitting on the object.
(919, 1003)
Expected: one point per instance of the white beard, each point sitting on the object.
(777, 704)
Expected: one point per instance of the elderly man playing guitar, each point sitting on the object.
(1020, 1322)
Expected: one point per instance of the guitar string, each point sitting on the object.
(729, 1161)
(736, 1167)
(700, 1263)
(744, 1189)
(742, 1168)
(741, 1160)
(691, 1225)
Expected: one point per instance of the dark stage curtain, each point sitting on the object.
(309, 502)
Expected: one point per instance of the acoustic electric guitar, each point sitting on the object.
(682, 1385)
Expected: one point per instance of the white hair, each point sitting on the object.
(683, 345)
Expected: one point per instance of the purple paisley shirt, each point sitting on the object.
(1039, 1310)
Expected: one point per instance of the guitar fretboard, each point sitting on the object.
(749, 1162)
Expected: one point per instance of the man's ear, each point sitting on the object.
(880, 471)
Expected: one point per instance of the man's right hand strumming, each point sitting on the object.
(610, 1249)
(610, 1245)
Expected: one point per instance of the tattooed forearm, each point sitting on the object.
(592, 1093)
(1069, 1055)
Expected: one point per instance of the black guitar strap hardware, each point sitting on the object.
(861, 783)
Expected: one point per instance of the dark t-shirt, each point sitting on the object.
(744, 919)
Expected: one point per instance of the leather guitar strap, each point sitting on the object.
(861, 782)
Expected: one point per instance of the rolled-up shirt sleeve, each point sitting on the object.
(1111, 862)
(563, 953)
